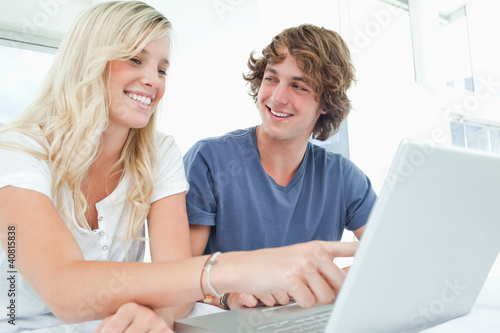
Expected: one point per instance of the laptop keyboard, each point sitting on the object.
(312, 323)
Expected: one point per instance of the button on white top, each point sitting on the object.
(100, 218)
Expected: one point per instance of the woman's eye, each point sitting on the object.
(162, 72)
(137, 61)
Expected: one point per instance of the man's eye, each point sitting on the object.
(162, 72)
(300, 87)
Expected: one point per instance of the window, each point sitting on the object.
(440, 39)
(475, 134)
(455, 49)
(23, 71)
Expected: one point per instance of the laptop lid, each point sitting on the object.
(429, 244)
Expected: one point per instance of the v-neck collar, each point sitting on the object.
(296, 177)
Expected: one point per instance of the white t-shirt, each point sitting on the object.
(23, 170)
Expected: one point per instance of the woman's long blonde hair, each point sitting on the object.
(71, 109)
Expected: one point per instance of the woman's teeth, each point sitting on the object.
(141, 99)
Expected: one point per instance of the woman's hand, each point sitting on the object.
(133, 318)
(243, 300)
(305, 272)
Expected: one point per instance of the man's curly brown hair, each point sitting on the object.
(325, 61)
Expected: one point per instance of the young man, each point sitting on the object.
(268, 186)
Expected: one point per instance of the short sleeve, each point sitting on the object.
(170, 177)
(22, 169)
(360, 197)
(201, 202)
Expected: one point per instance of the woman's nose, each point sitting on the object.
(150, 77)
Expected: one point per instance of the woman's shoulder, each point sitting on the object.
(167, 147)
(29, 138)
(165, 141)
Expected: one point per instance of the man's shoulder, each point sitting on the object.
(331, 163)
(327, 156)
(229, 145)
(230, 136)
(231, 139)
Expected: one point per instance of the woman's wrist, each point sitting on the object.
(226, 276)
(206, 285)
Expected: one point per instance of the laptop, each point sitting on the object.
(429, 244)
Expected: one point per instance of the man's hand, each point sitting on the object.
(243, 300)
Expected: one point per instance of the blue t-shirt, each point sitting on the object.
(247, 209)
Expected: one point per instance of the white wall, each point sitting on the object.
(206, 95)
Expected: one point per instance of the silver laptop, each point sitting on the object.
(428, 247)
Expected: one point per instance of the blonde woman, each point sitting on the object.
(83, 169)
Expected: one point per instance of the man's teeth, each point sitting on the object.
(142, 99)
(282, 115)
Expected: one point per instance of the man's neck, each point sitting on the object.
(280, 158)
